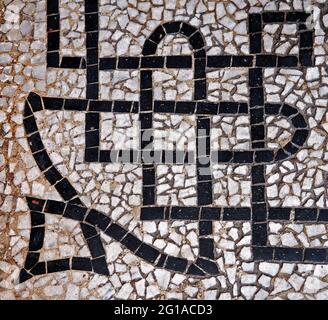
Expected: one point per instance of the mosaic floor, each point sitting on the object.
(164, 149)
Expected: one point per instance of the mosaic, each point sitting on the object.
(164, 149)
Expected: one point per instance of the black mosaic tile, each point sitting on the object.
(279, 213)
(290, 61)
(88, 230)
(306, 57)
(39, 268)
(95, 247)
(206, 248)
(161, 260)
(30, 125)
(81, 263)
(115, 231)
(207, 265)
(24, 276)
(98, 219)
(195, 270)
(53, 41)
(37, 218)
(176, 264)
(296, 16)
(187, 29)
(131, 242)
(306, 214)
(254, 23)
(32, 259)
(315, 255)
(52, 7)
(184, 213)
(35, 204)
(208, 213)
(262, 253)
(147, 252)
(205, 228)
(99, 265)
(288, 254)
(58, 265)
(323, 215)
(230, 214)
(255, 43)
(36, 238)
(75, 212)
(242, 61)
(65, 189)
(273, 17)
(219, 61)
(259, 234)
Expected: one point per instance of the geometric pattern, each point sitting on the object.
(93, 222)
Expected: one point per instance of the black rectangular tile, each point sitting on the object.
(306, 57)
(65, 189)
(107, 63)
(288, 254)
(206, 248)
(180, 62)
(52, 7)
(219, 61)
(297, 16)
(53, 22)
(131, 242)
(233, 214)
(95, 246)
(205, 227)
(287, 61)
(147, 252)
(35, 142)
(279, 213)
(98, 219)
(115, 231)
(255, 43)
(91, 22)
(306, 39)
(184, 213)
(58, 265)
(52, 175)
(259, 234)
(54, 207)
(315, 255)
(152, 62)
(208, 213)
(53, 41)
(75, 212)
(128, 62)
(273, 17)
(99, 265)
(255, 77)
(242, 61)
(92, 121)
(81, 263)
(306, 214)
(42, 160)
(262, 253)
(152, 213)
(53, 59)
(266, 60)
(92, 139)
(187, 107)
(176, 264)
(36, 238)
(254, 23)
